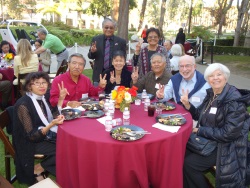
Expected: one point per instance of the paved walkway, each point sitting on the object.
(236, 80)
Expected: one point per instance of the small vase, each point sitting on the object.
(123, 105)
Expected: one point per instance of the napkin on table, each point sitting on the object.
(169, 128)
(78, 108)
(102, 120)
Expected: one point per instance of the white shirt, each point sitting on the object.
(174, 63)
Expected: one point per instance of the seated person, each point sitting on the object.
(176, 52)
(168, 45)
(44, 57)
(75, 82)
(6, 47)
(33, 122)
(157, 76)
(118, 73)
(5, 90)
(25, 61)
(189, 79)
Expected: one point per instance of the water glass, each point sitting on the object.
(158, 110)
(138, 102)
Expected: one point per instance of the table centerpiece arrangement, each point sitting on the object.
(123, 96)
(8, 58)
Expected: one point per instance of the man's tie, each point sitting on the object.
(106, 56)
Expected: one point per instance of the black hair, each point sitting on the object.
(4, 42)
(34, 76)
(119, 53)
(39, 41)
(152, 29)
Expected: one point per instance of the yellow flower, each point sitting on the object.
(113, 94)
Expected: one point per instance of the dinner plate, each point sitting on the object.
(70, 114)
(119, 133)
(92, 105)
(149, 95)
(171, 119)
(94, 114)
(165, 105)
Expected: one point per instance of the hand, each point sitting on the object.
(195, 130)
(59, 119)
(135, 74)
(74, 104)
(138, 48)
(103, 81)
(184, 99)
(112, 77)
(93, 48)
(63, 91)
(160, 91)
(1, 76)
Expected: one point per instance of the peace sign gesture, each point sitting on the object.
(160, 91)
(112, 77)
(135, 74)
(93, 47)
(184, 99)
(103, 81)
(62, 91)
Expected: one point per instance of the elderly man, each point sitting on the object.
(102, 48)
(156, 77)
(75, 83)
(54, 44)
(188, 79)
(5, 90)
(168, 45)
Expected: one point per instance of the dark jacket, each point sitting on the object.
(117, 43)
(125, 79)
(180, 38)
(230, 130)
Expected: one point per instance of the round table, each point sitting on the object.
(8, 74)
(87, 156)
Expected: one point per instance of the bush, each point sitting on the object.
(230, 50)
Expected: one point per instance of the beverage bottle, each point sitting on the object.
(108, 122)
(126, 116)
(143, 95)
(106, 106)
(147, 103)
(111, 109)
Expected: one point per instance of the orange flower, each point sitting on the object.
(120, 88)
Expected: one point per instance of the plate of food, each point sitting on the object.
(171, 119)
(70, 113)
(127, 133)
(92, 105)
(93, 114)
(149, 95)
(165, 105)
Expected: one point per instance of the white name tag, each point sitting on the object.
(85, 95)
(157, 86)
(195, 99)
(213, 110)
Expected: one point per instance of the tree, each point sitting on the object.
(101, 8)
(143, 9)
(51, 8)
(153, 12)
(123, 19)
(115, 11)
(163, 10)
(14, 9)
(242, 9)
(30, 7)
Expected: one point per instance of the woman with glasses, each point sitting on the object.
(142, 56)
(33, 127)
(25, 61)
(44, 57)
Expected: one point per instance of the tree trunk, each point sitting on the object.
(143, 9)
(163, 10)
(241, 11)
(222, 20)
(115, 11)
(123, 19)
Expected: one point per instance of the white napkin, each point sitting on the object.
(78, 108)
(102, 120)
(169, 128)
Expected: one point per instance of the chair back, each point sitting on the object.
(19, 84)
(8, 147)
(63, 68)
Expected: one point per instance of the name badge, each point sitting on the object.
(196, 99)
(213, 110)
(157, 86)
(85, 95)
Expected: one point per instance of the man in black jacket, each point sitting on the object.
(102, 48)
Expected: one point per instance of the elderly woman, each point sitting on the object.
(142, 56)
(118, 73)
(223, 118)
(33, 129)
(176, 52)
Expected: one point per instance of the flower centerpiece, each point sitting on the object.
(124, 96)
(8, 57)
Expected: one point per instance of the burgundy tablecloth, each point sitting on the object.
(87, 156)
(8, 74)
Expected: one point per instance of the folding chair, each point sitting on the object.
(62, 69)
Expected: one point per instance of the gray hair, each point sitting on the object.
(77, 55)
(176, 50)
(188, 58)
(108, 20)
(217, 66)
(42, 30)
(163, 58)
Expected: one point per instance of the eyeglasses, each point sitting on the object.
(187, 66)
(152, 37)
(76, 63)
(40, 84)
(107, 27)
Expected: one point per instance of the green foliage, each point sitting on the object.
(201, 32)
(14, 9)
(101, 8)
(58, 24)
(230, 50)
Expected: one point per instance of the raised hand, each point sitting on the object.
(63, 91)
(112, 77)
(184, 99)
(93, 47)
(160, 91)
(138, 48)
(103, 81)
(135, 74)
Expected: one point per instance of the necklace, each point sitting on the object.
(211, 102)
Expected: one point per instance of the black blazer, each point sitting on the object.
(116, 44)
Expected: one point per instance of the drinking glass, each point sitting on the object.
(151, 110)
